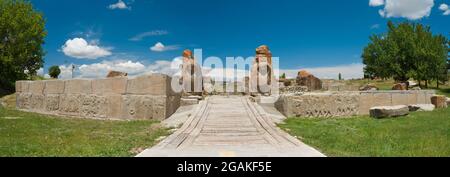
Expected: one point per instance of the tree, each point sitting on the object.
(340, 76)
(407, 50)
(54, 72)
(22, 34)
(283, 76)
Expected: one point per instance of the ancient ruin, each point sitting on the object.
(304, 78)
(262, 79)
(191, 75)
(152, 97)
(144, 97)
(112, 74)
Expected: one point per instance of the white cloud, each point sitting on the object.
(445, 9)
(375, 26)
(81, 49)
(100, 70)
(119, 5)
(160, 47)
(66, 72)
(375, 3)
(350, 71)
(148, 34)
(410, 9)
(40, 72)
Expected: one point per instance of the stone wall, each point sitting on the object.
(145, 97)
(336, 104)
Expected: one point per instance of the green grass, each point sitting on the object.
(30, 134)
(418, 134)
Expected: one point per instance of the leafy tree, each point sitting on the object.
(340, 76)
(283, 76)
(407, 50)
(54, 71)
(22, 34)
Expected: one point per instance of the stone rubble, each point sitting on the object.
(389, 111)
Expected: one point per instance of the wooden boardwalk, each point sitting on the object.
(224, 126)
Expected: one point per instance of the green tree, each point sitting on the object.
(340, 76)
(22, 34)
(407, 50)
(54, 71)
(283, 76)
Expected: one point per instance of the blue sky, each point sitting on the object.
(312, 34)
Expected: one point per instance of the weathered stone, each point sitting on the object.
(400, 86)
(309, 80)
(145, 107)
(93, 106)
(116, 106)
(421, 107)
(23, 100)
(401, 98)
(448, 101)
(439, 101)
(389, 111)
(191, 74)
(110, 86)
(51, 102)
(112, 74)
(36, 87)
(368, 87)
(412, 84)
(70, 104)
(54, 87)
(188, 101)
(318, 105)
(78, 86)
(22, 86)
(154, 84)
(262, 78)
(294, 89)
(37, 102)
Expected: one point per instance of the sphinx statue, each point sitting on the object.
(262, 79)
(191, 75)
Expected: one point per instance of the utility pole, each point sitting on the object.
(73, 68)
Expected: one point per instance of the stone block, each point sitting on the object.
(372, 99)
(116, 106)
(110, 86)
(70, 104)
(54, 87)
(413, 97)
(93, 106)
(421, 107)
(78, 86)
(37, 102)
(23, 100)
(401, 98)
(188, 101)
(155, 84)
(144, 107)
(22, 86)
(439, 101)
(51, 102)
(36, 87)
(389, 111)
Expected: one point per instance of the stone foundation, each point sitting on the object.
(145, 97)
(338, 104)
